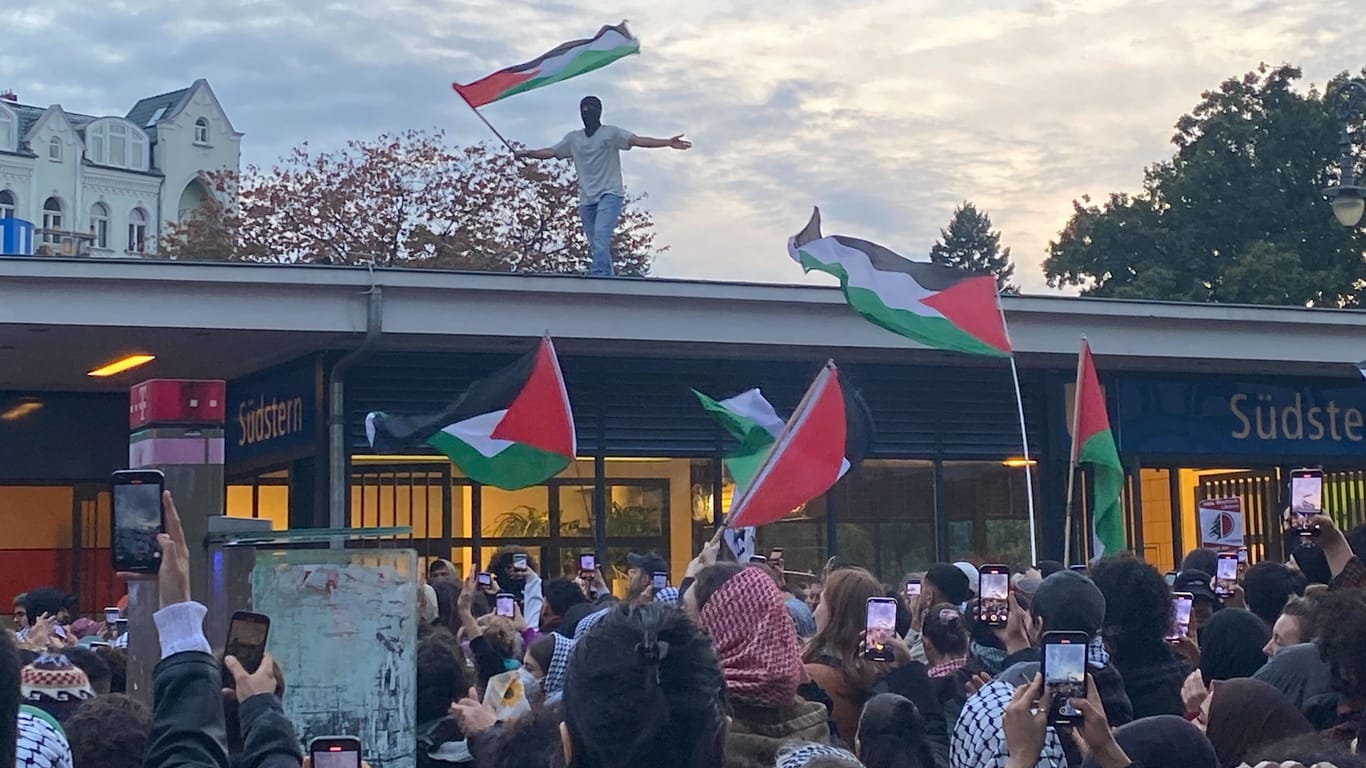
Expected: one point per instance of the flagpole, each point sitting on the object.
(485, 121)
(1072, 459)
(1024, 437)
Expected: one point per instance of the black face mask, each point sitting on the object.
(590, 109)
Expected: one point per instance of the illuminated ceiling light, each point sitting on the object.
(20, 410)
(1018, 463)
(123, 364)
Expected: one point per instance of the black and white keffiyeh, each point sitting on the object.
(798, 755)
(40, 743)
(979, 741)
(553, 684)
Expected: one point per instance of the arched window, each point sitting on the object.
(54, 149)
(99, 224)
(52, 220)
(117, 143)
(137, 231)
(7, 208)
(9, 129)
(201, 131)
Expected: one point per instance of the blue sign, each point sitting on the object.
(1244, 418)
(16, 237)
(272, 416)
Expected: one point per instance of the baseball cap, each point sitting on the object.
(1197, 583)
(1067, 601)
(648, 562)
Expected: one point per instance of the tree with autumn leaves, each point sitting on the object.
(404, 200)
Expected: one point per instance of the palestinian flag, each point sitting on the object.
(510, 430)
(937, 306)
(566, 60)
(1094, 443)
(826, 437)
(749, 418)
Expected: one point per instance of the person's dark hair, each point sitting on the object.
(892, 734)
(530, 741)
(711, 578)
(447, 595)
(561, 595)
(1137, 604)
(1342, 639)
(441, 679)
(1049, 567)
(502, 559)
(1356, 539)
(1201, 559)
(1268, 586)
(644, 688)
(903, 616)
(947, 629)
(109, 732)
(27, 657)
(92, 665)
(542, 649)
(1310, 749)
(951, 582)
(10, 698)
(43, 600)
(1231, 645)
(117, 661)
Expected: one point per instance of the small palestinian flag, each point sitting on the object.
(939, 307)
(567, 60)
(826, 437)
(1094, 443)
(749, 418)
(510, 430)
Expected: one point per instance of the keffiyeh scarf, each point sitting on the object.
(798, 755)
(979, 741)
(755, 639)
(553, 684)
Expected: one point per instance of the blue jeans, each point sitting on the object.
(599, 225)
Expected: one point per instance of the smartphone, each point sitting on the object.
(137, 519)
(121, 626)
(913, 588)
(879, 626)
(504, 604)
(1181, 616)
(247, 633)
(993, 587)
(1306, 499)
(1242, 555)
(1064, 676)
(588, 563)
(1077, 568)
(111, 616)
(758, 560)
(659, 580)
(484, 580)
(1226, 574)
(334, 752)
(98, 644)
(519, 563)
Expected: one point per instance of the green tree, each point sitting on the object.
(1236, 215)
(971, 244)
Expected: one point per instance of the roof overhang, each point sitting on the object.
(61, 317)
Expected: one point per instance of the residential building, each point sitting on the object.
(108, 185)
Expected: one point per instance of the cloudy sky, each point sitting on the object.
(886, 113)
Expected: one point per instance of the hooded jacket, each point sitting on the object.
(756, 733)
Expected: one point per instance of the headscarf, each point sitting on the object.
(553, 684)
(979, 742)
(56, 686)
(755, 639)
(1249, 713)
(1165, 740)
(430, 610)
(41, 744)
(797, 755)
(1305, 680)
(1231, 645)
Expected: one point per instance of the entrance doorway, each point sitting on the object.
(1169, 498)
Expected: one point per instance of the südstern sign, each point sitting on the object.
(272, 415)
(1242, 417)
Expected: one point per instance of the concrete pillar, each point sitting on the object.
(175, 426)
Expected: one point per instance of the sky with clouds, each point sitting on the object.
(886, 113)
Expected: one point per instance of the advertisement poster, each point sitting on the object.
(1221, 522)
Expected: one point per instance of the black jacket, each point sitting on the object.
(187, 714)
(268, 738)
(1153, 682)
(913, 682)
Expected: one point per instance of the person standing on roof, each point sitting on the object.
(596, 152)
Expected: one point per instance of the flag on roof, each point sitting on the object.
(509, 430)
(566, 60)
(939, 307)
(751, 419)
(827, 436)
(1093, 443)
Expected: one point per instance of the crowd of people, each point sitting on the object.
(736, 667)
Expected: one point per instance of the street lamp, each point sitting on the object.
(1349, 199)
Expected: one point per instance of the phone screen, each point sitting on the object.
(994, 591)
(1242, 555)
(503, 605)
(659, 580)
(913, 588)
(338, 759)
(1170, 577)
(335, 752)
(1306, 495)
(137, 521)
(484, 580)
(519, 562)
(111, 616)
(588, 563)
(1226, 577)
(247, 639)
(880, 626)
(1181, 615)
(1064, 678)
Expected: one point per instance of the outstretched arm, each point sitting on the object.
(645, 142)
(546, 153)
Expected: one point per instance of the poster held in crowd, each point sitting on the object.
(1221, 522)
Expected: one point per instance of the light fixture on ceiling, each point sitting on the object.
(21, 409)
(1018, 463)
(122, 364)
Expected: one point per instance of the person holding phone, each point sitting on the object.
(640, 577)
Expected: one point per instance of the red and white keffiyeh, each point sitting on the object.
(754, 640)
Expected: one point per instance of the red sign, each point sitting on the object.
(177, 401)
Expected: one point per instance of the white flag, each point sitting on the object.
(742, 542)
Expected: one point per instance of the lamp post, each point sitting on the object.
(1349, 199)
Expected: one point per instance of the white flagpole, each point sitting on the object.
(1072, 460)
(1024, 438)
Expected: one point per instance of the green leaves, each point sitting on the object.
(969, 243)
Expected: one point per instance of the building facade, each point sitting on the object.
(108, 185)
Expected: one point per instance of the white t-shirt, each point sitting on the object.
(597, 159)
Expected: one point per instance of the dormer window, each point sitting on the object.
(201, 131)
(8, 130)
(117, 143)
(54, 150)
